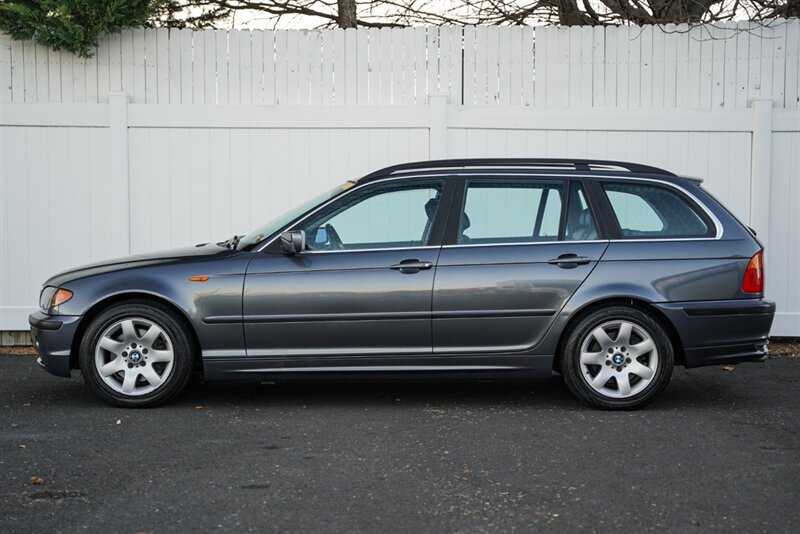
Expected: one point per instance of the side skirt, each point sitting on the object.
(386, 367)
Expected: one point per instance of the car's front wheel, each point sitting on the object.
(136, 354)
(617, 358)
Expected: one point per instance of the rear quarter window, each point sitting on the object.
(648, 211)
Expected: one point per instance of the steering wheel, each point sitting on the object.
(334, 240)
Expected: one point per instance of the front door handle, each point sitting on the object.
(411, 266)
(569, 260)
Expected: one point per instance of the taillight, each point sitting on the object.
(753, 281)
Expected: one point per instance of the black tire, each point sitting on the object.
(577, 377)
(182, 360)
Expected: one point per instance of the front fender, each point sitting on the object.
(219, 295)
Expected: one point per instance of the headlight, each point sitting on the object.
(52, 297)
(46, 297)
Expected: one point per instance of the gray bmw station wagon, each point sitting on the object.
(607, 273)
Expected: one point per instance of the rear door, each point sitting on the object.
(516, 249)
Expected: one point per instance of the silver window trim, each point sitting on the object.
(421, 247)
(717, 224)
(526, 243)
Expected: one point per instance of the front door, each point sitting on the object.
(517, 251)
(363, 286)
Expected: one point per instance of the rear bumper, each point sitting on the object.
(726, 331)
(52, 337)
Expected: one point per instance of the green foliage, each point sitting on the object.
(73, 25)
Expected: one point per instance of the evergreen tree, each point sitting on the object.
(73, 25)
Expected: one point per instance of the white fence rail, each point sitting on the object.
(173, 138)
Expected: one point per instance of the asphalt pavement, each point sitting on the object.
(720, 450)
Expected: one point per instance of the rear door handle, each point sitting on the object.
(411, 266)
(569, 260)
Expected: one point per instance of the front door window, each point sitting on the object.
(385, 216)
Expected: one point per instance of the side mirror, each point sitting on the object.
(293, 242)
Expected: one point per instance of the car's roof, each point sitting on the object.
(543, 166)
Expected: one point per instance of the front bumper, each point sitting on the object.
(52, 337)
(718, 332)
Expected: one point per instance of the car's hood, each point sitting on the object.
(141, 260)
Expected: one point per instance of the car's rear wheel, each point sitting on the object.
(617, 358)
(136, 354)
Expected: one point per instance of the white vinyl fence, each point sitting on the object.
(171, 138)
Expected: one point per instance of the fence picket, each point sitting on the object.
(257, 63)
(245, 68)
(385, 65)
(768, 43)
(327, 67)
(198, 67)
(778, 88)
(180, 68)
(314, 68)
(5, 68)
(105, 68)
(574, 61)
(17, 72)
(482, 66)
(504, 67)
(540, 68)
(420, 67)
(719, 35)
(269, 68)
(742, 65)
(647, 78)
(281, 68)
(792, 75)
(151, 81)
(362, 67)
(635, 70)
(516, 86)
(234, 61)
(42, 83)
(527, 58)
(601, 66)
(659, 62)
(619, 97)
(729, 92)
(492, 64)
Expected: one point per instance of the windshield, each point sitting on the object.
(269, 228)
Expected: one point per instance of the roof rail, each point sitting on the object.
(577, 164)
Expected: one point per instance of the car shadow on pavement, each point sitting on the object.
(694, 391)
(696, 388)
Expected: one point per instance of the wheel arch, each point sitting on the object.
(111, 300)
(635, 302)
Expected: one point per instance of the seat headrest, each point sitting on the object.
(464, 222)
(430, 207)
(585, 218)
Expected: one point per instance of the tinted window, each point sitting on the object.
(650, 211)
(500, 211)
(580, 221)
(398, 215)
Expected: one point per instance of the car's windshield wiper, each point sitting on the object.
(230, 243)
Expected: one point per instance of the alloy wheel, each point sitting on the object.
(134, 356)
(618, 359)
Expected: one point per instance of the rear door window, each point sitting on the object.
(648, 211)
(511, 211)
